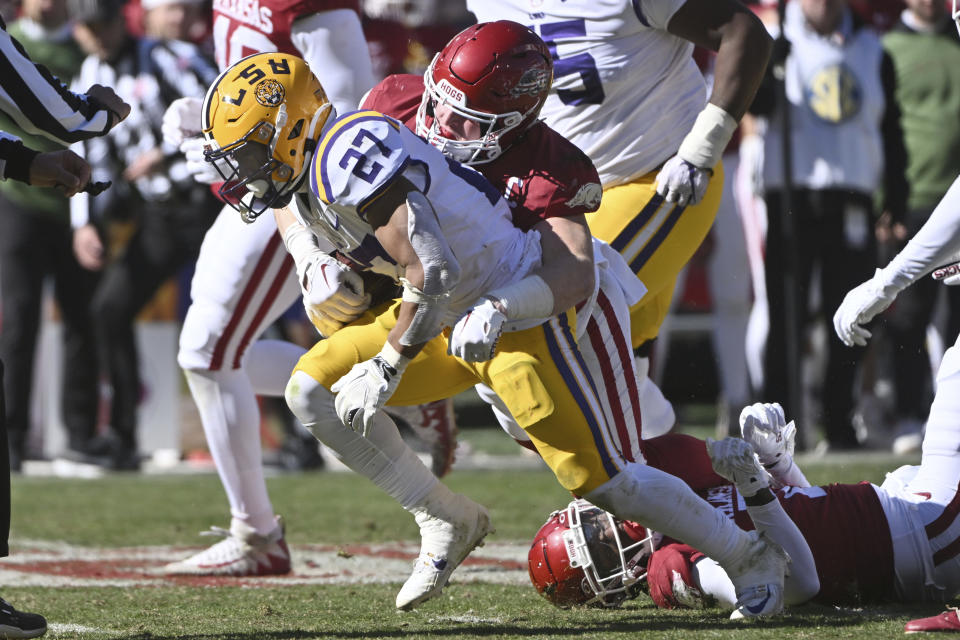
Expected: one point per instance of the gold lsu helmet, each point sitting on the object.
(262, 118)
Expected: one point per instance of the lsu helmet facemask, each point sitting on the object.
(583, 555)
(262, 118)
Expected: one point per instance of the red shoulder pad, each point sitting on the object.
(397, 96)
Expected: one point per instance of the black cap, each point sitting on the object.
(94, 10)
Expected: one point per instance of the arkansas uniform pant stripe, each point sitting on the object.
(946, 553)
(268, 259)
(254, 329)
(616, 366)
(562, 346)
(946, 518)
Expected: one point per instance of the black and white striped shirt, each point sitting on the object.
(148, 74)
(39, 103)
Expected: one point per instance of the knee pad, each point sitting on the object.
(312, 404)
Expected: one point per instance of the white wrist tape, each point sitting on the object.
(709, 136)
(300, 243)
(530, 297)
(393, 357)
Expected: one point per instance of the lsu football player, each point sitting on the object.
(244, 280)
(627, 91)
(548, 182)
(383, 201)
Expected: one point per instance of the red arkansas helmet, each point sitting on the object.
(497, 74)
(585, 556)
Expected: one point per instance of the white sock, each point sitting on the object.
(231, 421)
(383, 456)
(666, 504)
(802, 583)
(714, 581)
(939, 472)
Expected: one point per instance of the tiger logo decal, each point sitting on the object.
(269, 93)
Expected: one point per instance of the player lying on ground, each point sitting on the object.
(859, 543)
(385, 202)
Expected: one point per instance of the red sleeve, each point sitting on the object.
(397, 96)
(670, 563)
(682, 456)
(289, 10)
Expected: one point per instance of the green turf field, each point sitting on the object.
(340, 509)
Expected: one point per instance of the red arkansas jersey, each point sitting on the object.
(843, 524)
(543, 175)
(245, 27)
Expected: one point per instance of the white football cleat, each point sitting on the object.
(435, 425)
(735, 460)
(758, 578)
(445, 543)
(242, 552)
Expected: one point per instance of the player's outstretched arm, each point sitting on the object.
(743, 48)
(935, 244)
(565, 278)
(765, 427)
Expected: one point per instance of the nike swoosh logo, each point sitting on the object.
(323, 272)
(923, 494)
(759, 608)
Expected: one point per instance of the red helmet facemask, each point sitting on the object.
(497, 74)
(585, 556)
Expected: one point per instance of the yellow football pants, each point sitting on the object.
(657, 239)
(538, 373)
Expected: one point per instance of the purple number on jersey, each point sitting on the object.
(583, 63)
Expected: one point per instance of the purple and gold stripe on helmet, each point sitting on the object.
(319, 180)
(569, 362)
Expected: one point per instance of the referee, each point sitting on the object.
(39, 103)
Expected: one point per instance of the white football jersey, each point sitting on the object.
(358, 158)
(624, 89)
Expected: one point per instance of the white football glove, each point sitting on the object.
(735, 460)
(859, 307)
(764, 426)
(948, 274)
(332, 292)
(681, 182)
(367, 387)
(201, 170)
(181, 120)
(474, 338)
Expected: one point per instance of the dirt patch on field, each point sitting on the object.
(62, 565)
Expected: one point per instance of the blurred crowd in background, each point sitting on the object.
(127, 254)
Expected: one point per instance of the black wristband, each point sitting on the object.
(760, 498)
